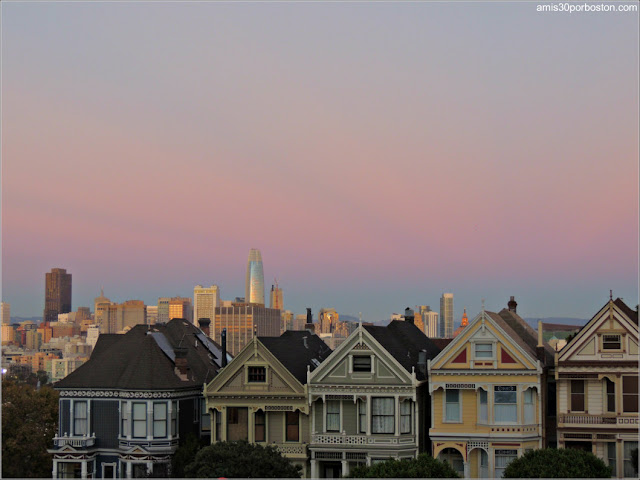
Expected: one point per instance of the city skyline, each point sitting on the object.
(378, 155)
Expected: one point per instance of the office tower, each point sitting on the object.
(431, 324)
(446, 315)
(328, 320)
(205, 302)
(57, 294)
(129, 314)
(163, 309)
(5, 313)
(276, 298)
(254, 286)
(152, 314)
(99, 300)
(105, 316)
(242, 321)
(180, 307)
(83, 313)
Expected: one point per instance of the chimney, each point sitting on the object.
(182, 366)
(540, 346)
(422, 362)
(512, 305)
(409, 315)
(204, 325)
(309, 316)
(223, 337)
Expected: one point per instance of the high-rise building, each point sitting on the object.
(205, 302)
(446, 315)
(129, 314)
(99, 300)
(152, 314)
(180, 307)
(243, 321)
(431, 324)
(328, 319)
(254, 286)
(163, 309)
(57, 294)
(276, 299)
(5, 313)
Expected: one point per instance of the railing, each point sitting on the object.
(289, 449)
(76, 442)
(337, 439)
(585, 419)
(156, 444)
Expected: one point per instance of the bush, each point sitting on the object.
(425, 466)
(557, 463)
(240, 460)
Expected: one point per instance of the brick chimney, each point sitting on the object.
(204, 325)
(512, 305)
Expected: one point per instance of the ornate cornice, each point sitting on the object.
(98, 394)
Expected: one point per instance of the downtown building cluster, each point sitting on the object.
(478, 400)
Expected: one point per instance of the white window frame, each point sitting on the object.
(403, 416)
(491, 355)
(134, 420)
(496, 404)
(362, 412)
(160, 422)
(483, 407)
(393, 415)
(125, 424)
(115, 469)
(327, 413)
(513, 455)
(86, 418)
(445, 403)
(529, 406)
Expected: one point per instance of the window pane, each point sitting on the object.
(452, 396)
(382, 415)
(484, 350)
(628, 464)
(361, 363)
(159, 420)
(333, 415)
(257, 374)
(139, 420)
(260, 426)
(80, 418)
(405, 417)
(484, 410)
(452, 405)
(293, 426)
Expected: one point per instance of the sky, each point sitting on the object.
(377, 154)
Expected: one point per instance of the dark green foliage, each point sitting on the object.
(240, 460)
(29, 423)
(560, 463)
(185, 454)
(425, 466)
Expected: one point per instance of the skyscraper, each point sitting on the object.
(5, 312)
(57, 294)
(205, 301)
(446, 315)
(276, 299)
(254, 286)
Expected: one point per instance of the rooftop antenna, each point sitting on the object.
(610, 294)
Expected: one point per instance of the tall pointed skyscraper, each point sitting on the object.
(254, 286)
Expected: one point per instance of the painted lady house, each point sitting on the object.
(597, 381)
(488, 391)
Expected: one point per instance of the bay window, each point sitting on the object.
(362, 416)
(159, 419)
(529, 406)
(483, 414)
(333, 416)
(174, 418)
(382, 415)
(80, 418)
(405, 416)
(124, 415)
(139, 418)
(505, 404)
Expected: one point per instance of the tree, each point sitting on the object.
(425, 466)
(241, 460)
(184, 455)
(557, 463)
(29, 423)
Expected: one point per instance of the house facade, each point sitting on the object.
(123, 413)
(488, 394)
(261, 396)
(368, 399)
(597, 385)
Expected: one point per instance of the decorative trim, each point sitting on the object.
(126, 394)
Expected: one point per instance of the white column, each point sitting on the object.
(223, 424)
(345, 468)
(397, 416)
(54, 471)
(83, 469)
(466, 469)
(129, 470)
(314, 469)
(490, 463)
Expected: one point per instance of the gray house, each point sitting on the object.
(124, 412)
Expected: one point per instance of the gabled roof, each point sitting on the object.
(138, 361)
(525, 334)
(294, 354)
(403, 340)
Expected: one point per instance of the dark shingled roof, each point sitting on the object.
(289, 348)
(404, 341)
(441, 342)
(632, 314)
(524, 333)
(136, 361)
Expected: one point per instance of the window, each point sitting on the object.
(483, 414)
(529, 409)
(505, 404)
(611, 342)
(333, 416)
(218, 425)
(484, 350)
(139, 420)
(577, 395)
(293, 426)
(79, 418)
(206, 418)
(361, 363)
(260, 426)
(108, 470)
(611, 456)
(610, 391)
(382, 415)
(629, 393)
(159, 419)
(628, 464)
(452, 405)
(124, 427)
(503, 458)
(257, 374)
(405, 417)
(174, 418)
(362, 416)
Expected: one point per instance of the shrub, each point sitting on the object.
(425, 466)
(557, 463)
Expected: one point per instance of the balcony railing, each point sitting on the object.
(586, 419)
(75, 442)
(337, 439)
(291, 449)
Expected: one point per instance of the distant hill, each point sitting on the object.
(17, 320)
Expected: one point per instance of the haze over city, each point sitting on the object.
(377, 154)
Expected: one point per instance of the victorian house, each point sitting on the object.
(597, 382)
(489, 389)
(261, 396)
(369, 399)
(123, 413)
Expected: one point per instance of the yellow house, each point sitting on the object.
(488, 389)
(597, 379)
